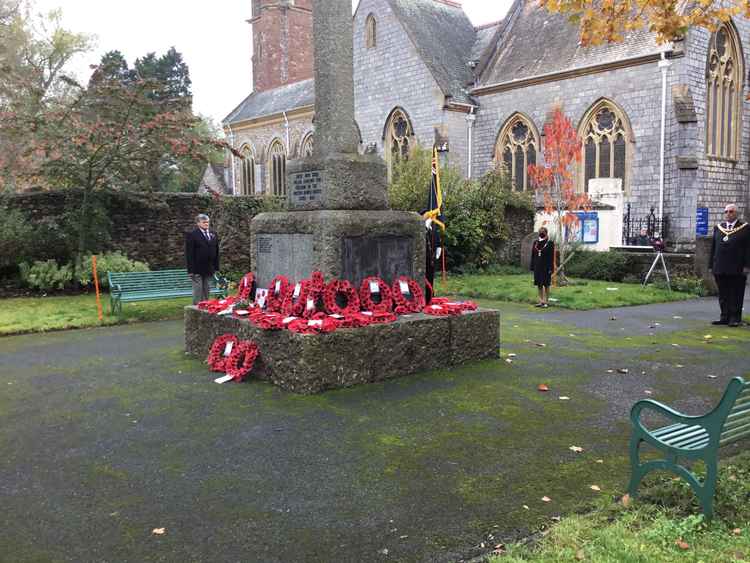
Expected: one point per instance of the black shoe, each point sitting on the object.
(734, 324)
(720, 322)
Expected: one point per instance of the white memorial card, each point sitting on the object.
(297, 289)
(260, 297)
(228, 348)
(224, 379)
(404, 287)
(374, 287)
(277, 288)
(317, 322)
(288, 320)
(310, 304)
(438, 253)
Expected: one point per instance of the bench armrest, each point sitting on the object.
(649, 404)
(115, 289)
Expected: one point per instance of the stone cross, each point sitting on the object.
(335, 131)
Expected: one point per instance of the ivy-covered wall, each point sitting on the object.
(148, 227)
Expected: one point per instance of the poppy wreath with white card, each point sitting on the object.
(246, 287)
(296, 300)
(277, 291)
(369, 289)
(241, 360)
(408, 296)
(218, 356)
(337, 291)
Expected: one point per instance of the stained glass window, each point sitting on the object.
(516, 149)
(604, 144)
(724, 73)
(277, 168)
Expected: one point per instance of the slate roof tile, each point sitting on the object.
(270, 102)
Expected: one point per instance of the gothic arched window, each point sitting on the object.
(605, 136)
(247, 171)
(371, 32)
(517, 148)
(306, 148)
(399, 138)
(277, 168)
(724, 73)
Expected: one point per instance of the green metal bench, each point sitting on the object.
(125, 287)
(691, 438)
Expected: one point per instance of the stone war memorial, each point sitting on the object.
(338, 226)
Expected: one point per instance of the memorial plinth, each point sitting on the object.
(311, 364)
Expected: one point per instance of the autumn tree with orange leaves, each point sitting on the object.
(553, 180)
(603, 21)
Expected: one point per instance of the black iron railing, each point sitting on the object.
(655, 227)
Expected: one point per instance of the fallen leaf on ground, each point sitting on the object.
(159, 531)
(595, 488)
(676, 317)
(403, 537)
(540, 344)
(526, 507)
(511, 355)
(576, 449)
(679, 366)
(499, 549)
(610, 371)
(675, 345)
(612, 318)
(564, 398)
(572, 335)
(625, 500)
(647, 392)
(622, 370)
(708, 336)
(542, 387)
(682, 544)
(737, 531)
(599, 461)
(546, 499)
(580, 555)
(508, 361)
(713, 376)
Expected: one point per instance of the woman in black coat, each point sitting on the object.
(542, 258)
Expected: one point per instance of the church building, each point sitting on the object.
(666, 126)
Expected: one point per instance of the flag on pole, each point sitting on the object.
(435, 199)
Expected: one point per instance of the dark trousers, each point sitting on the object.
(731, 296)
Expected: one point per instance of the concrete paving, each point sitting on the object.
(108, 436)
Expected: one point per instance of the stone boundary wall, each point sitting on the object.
(151, 226)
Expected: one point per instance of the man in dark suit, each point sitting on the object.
(202, 257)
(730, 264)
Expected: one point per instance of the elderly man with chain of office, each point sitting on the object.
(730, 264)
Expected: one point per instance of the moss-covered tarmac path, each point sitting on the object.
(107, 435)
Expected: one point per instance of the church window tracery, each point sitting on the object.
(247, 171)
(306, 148)
(724, 74)
(604, 135)
(399, 139)
(516, 149)
(277, 168)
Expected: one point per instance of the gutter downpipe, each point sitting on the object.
(231, 160)
(664, 65)
(470, 119)
(286, 127)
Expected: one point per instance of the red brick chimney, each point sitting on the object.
(282, 42)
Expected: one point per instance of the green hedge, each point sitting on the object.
(606, 266)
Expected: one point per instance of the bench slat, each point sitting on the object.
(687, 438)
(737, 414)
(665, 429)
(679, 433)
(729, 438)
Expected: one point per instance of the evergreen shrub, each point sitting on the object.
(46, 275)
(605, 266)
(108, 262)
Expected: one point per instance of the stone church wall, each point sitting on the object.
(637, 90)
(714, 183)
(260, 138)
(389, 75)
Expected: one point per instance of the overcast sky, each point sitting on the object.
(214, 38)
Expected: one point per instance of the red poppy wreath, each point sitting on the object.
(366, 294)
(241, 360)
(277, 291)
(246, 286)
(216, 359)
(337, 292)
(408, 296)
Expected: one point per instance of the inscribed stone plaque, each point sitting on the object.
(387, 257)
(289, 255)
(305, 187)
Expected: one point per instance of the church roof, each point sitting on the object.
(444, 38)
(537, 42)
(485, 35)
(270, 102)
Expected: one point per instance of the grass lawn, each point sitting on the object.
(39, 314)
(581, 294)
(663, 525)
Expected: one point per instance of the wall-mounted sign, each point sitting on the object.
(701, 222)
(586, 230)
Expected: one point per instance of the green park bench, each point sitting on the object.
(125, 287)
(691, 438)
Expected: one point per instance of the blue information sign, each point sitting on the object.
(701, 222)
(587, 227)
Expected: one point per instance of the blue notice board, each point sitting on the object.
(701, 222)
(588, 227)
